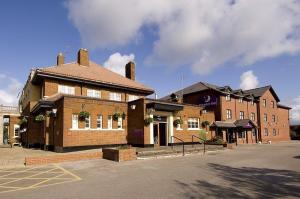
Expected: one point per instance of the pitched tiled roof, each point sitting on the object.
(258, 92)
(93, 73)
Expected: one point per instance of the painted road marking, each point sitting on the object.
(34, 177)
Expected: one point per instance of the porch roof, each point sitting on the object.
(164, 106)
(221, 124)
(245, 123)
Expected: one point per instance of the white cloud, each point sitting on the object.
(248, 80)
(116, 62)
(295, 111)
(204, 34)
(9, 91)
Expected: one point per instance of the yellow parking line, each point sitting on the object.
(38, 185)
(26, 177)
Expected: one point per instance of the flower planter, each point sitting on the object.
(119, 155)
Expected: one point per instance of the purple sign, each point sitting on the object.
(248, 126)
(208, 100)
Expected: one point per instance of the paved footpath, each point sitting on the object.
(255, 171)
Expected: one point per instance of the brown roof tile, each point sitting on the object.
(93, 72)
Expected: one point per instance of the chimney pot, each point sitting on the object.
(130, 70)
(60, 59)
(83, 57)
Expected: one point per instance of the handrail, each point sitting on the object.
(199, 139)
(181, 142)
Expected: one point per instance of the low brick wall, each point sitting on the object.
(119, 155)
(61, 158)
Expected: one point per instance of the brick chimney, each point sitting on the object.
(60, 60)
(83, 57)
(130, 70)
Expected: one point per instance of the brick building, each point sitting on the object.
(241, 116)
(82, 104)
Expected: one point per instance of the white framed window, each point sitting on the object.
(265, 117)
(253, 116)
(252, 102)
(109, 122)
(16, 130)
(274, 132)
(272, 104)
(228, 98)
(66, 89)
(264, 103)
(240, 100)
(99, 121)
(115, 96)
(273, 118)
(88, 122)
(74, 121)
(120, 122)
(241, 115)
(132, 98)
(228, 114)
(93, 93)
(193, 123)
(266, 133)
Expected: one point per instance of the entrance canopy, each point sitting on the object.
(221, 124)
(164, 106)
(244, 124)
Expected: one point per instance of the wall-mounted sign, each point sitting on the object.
(208, 100)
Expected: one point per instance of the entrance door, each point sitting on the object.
(155, 134)
(162, 134)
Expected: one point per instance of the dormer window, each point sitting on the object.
(227, 98)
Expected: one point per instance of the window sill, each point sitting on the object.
(179, 129)
(96, 129)
(193, 129)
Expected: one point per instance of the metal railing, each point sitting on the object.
(199, 142)
(180, 141)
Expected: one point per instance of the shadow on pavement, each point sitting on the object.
(245, 182)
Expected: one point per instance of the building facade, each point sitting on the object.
(82, 104)
(9, 125)
(241, 116)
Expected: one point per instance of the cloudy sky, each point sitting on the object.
(240, 43)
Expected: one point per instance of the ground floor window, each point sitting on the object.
(242, 134)
(193, 123)
(74, 121)
(16, 130)
(88, 122)
(266, 133)
(274, 132)
(120, 122)
(109, 122)
(99, 122)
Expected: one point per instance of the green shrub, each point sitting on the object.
(83, 114)
(148, 121)
(39, 118)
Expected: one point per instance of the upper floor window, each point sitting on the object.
(115, 96)
(74, 121)
(264, 102)
(228, 98)
(132, 98)
(266, 133)
(99, 121)
(193, 123)
(273, 118)
(265, 117)
(93, 93)
(253, 116)
(252, 102)
(272, 104)
(241, 115)
(109, 122)
(240, 100)
(88, 122)
(66, 89)
(228, 114)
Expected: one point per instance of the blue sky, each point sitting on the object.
(164, 38)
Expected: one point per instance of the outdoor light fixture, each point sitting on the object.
(54, 111)
(133, 106)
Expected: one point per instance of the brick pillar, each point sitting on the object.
(1, 129)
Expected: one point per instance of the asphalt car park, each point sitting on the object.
(250, 171)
